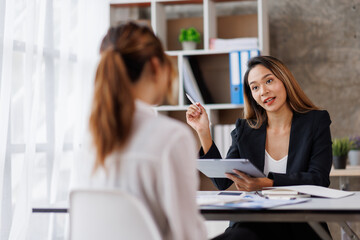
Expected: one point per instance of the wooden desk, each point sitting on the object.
(345, 174)
(316, 210)
(349, 171)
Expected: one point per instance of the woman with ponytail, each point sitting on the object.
(151, 157)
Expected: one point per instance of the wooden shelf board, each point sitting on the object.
(141, 3)
(223, 106)
(349, 171)
(206, 106)
(167, 108)
(173, 2)
(130, 3)
(197, 52)
(234, 0)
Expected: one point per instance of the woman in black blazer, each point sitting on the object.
(283, 134)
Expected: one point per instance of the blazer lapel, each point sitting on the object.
(293, 142)
(258, 147)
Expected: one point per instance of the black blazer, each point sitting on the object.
(310, 151)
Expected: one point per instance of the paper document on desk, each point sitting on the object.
(257, 202)
(317, 191)
(220, 199)
(245, 201)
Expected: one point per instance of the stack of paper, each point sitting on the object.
(312, 190)
(258, 202)
(220, 199)
(243, 200)
(233, 44)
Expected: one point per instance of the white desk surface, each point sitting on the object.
(350, 203)
(338, 210)
(341, 204)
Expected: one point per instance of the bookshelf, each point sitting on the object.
(167, 17)
(214, 64)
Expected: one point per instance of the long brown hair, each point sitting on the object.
(125, 50)
(297, 99)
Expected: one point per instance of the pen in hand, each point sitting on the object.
(192, 101)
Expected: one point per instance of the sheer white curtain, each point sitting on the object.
(48, 56)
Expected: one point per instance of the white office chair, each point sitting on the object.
(109, 215)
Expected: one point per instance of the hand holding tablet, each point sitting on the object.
(217, 168)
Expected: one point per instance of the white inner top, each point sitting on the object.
(272, 165)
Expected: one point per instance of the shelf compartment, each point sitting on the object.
(226, 116)
(167, 26)
(252, 22)
(215, 72)
(168, 108)
(246, 26)
(173, 30)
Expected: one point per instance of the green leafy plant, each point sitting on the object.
(190, 34)
(341, 146)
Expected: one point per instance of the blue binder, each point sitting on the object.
(238, 67)
(236, 97)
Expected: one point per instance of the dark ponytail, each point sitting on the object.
(113, 106)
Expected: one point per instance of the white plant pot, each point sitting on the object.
(354, 157)
(188, 45)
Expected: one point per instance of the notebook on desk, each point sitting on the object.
(216, 168)
(313, 190)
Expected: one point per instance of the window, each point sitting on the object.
(48, 56)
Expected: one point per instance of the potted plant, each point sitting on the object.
(189, 38)
(354, 153)
(340, 149)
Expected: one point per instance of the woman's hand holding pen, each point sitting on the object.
(197, 118)
(199, 121)
(243, 182)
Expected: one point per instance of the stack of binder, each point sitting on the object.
(238, 67)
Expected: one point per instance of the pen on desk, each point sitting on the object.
(275, 197)
(192, 101)
(281, 197)
(260, 194)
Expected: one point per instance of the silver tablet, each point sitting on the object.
(216, 168)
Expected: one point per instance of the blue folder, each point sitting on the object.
(238, 67)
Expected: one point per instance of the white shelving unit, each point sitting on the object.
(214, 64)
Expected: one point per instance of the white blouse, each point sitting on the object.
(275, 166)
(159, 167)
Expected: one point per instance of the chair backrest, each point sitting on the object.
(96, 214)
